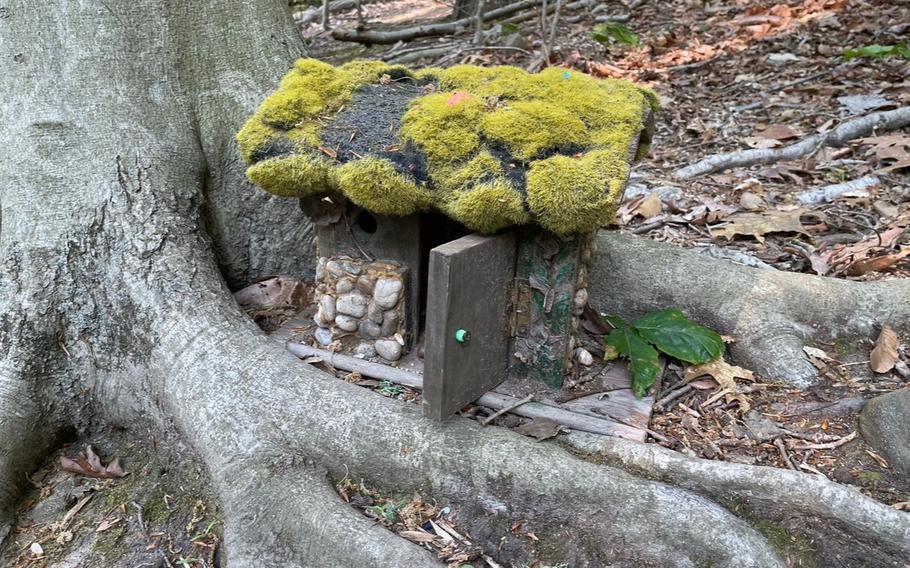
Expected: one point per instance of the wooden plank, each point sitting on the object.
(494, 400)
(469, 288)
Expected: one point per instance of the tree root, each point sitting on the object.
(445, 28)
(875, 122)
(863, 530)
(770, 314)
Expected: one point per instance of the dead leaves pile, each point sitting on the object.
(725, 375)
(88, 463)
(420, 522)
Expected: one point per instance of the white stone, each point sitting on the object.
(584, 357)
(581, 299)
(327, 306)
(352, 305)
(343, 286)
(346, 323)
(388, 349)
(320, 268)
(323, 336)
(334, 268)
(365, 350)
(369, 330)
(387, 292)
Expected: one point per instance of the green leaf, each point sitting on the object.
(603, 33)
(677, 336)
(878, 51)
(508, 28)
(642, 357)
(616, 321)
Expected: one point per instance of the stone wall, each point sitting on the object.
(361, 307)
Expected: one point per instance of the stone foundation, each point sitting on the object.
(361, 306)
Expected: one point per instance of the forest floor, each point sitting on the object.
(731, 75)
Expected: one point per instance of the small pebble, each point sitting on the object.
(388, 349)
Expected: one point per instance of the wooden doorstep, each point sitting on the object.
(618, 414)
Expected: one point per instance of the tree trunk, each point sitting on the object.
(126, 218)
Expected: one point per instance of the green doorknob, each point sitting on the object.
(462, 336)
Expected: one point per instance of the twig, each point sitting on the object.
(478, 23)
(552, 37)
(444, 28)
(827, 446)
(509, 408)
(673, 395)
(831, 192)
(875, 122)
(568, 397)
(783, 453)
(325, 15)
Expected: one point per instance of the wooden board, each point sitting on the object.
(469, 288)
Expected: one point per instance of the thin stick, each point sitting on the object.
(783, 453)
(553, 29)
(325, 14)
(673, 395)
(568, 397)
(509, 408)
(353, 238)
(478, 22)
(828, 446)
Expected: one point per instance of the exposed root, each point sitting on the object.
(770, 314)
(860, 528)
(875, 122)
(286, 514)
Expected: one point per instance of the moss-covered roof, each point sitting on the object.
(490, 147)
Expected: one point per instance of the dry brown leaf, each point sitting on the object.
(876, 264)
(89, 464)
(779, 132)
(418, 536)
(725, 374)
(540, 429)
(759, 224)
(649, 207)
(884, 354)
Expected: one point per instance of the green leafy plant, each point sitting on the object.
(508, 28)
(390, 389)
(668, 331)
(614, 31)
(386, 512)
(878, 51)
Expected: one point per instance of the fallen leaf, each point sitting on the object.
(751, 202)
(884, 354)
(649, 207)
(36, 549)
(457, 97)
(106, 524)
(876, 264)
(89, 464)
(725, 374)
(761, 143)
(779, 132)
(540, 429)
(759, 224)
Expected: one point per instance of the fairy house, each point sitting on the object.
(454, 208)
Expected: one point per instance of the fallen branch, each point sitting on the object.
(826, 446)
(445, 28)
(832, 192)
(856, 128)
(315, 14)
(506, 409)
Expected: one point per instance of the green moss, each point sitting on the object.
(299, 175)
(527, 128)
(375, 185)
(464, 175)
(253, 136)
(796, 549)
(476, 122)
(444, 125)
(487, 207)
(575, 195)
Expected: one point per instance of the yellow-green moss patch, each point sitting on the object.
(375, 185)
(444, 125)
(462, 176)
(576, 195)
(299, 175)
(488, 207)
(254, 136)
(528, 127)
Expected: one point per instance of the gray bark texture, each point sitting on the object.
(126, 219)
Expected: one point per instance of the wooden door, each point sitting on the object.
(467, 331)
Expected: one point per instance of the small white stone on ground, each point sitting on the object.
(388, 349)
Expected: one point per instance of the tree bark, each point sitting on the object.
(125, 219)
